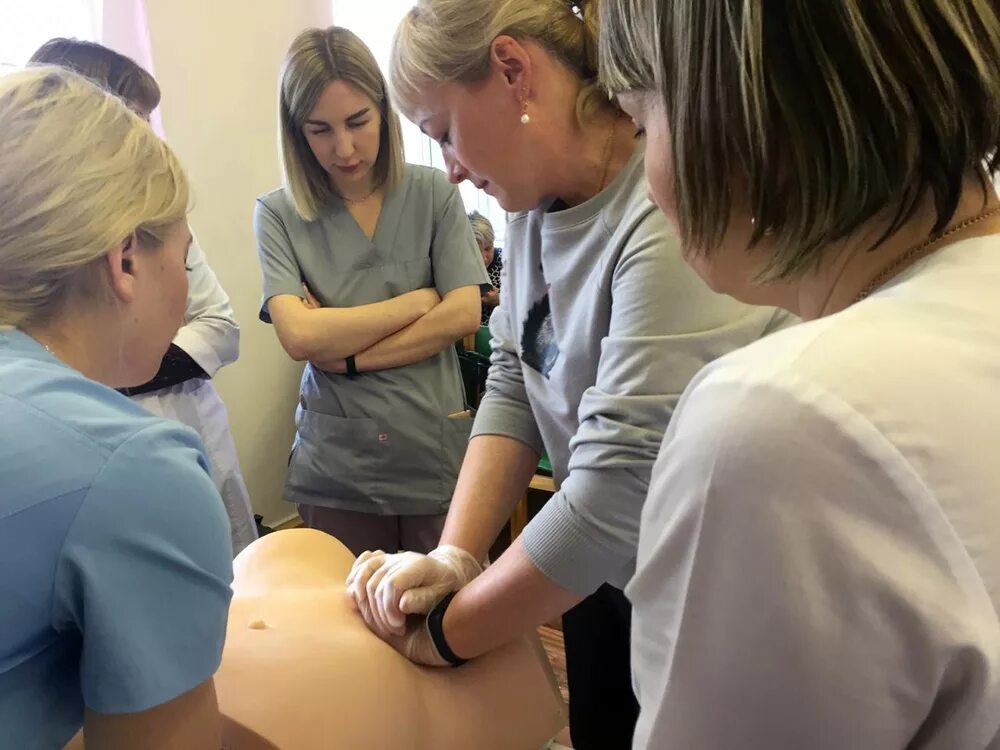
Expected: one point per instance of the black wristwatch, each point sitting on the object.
(352, 367)
(435, 626)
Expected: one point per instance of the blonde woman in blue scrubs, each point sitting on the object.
(370, 274)
(115, 559)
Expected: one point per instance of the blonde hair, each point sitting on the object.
(79, 173)
(819, 116)
(440, 41)
(316, 58)
(481, 229)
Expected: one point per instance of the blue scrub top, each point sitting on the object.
(115, 564)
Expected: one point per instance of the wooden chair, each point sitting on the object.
(478, 342)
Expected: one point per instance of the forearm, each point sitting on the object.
(329, 334)
(511, 598)
(433, 332)
(480, 508)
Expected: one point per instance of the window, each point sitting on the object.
(26, 25)
(375, 23)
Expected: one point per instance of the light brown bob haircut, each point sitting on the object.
(317, 58)
(815, 116)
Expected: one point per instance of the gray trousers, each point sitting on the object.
(367, 531)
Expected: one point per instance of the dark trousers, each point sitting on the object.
(602, 707)
(367, 531)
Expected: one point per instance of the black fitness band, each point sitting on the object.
(352, 367)
(435, 626)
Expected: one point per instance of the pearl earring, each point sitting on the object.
(525, 119)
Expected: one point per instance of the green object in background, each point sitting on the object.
(545, 466)
(483, 341)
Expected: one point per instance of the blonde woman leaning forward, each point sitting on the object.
(114, 545)
(601, 327)
(818, 560)
(210, 338)
(392, 276)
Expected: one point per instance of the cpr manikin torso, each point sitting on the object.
(301, 670)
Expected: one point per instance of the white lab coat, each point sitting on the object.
(211, 336)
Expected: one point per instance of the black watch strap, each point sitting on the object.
(435, 626)
(352, 367)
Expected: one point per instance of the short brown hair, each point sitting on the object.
(316, 58)
(120, 75)
(816, 116)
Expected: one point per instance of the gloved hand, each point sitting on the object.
(371, 567)
(386, 588)
(417, 645)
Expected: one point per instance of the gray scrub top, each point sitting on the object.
(381, 442)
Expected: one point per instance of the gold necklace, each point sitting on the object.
(914, 252)
(360, 200)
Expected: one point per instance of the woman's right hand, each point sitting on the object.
(386, 588)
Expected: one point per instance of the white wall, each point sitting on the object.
(217, 64)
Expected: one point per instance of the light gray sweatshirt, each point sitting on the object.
(601, 326)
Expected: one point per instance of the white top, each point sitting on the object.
(819, 555)
(210, 334)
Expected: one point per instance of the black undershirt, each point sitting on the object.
(176, 367)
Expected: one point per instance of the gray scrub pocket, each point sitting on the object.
(333, 459)
(420, 462)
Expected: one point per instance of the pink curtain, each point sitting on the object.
(125, 29)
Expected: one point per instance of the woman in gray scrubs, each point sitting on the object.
(370, 275)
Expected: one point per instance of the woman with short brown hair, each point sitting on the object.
(818, 565)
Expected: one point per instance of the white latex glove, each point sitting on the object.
(387, 588)
(357, 580)
(417, 645)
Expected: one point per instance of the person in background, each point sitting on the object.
(370, 275)
(818, 561)
(114, 548)
(210, 337)
(492, 259)
(602, 326)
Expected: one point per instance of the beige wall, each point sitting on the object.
(217, 63)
